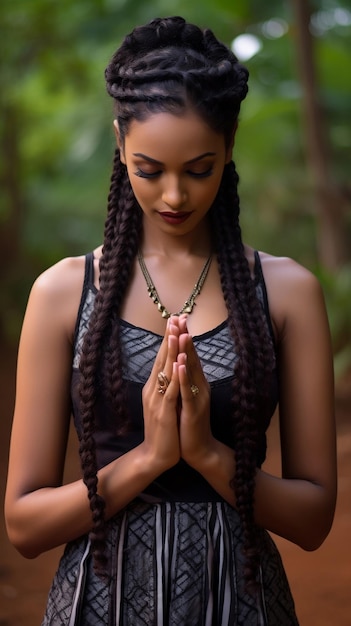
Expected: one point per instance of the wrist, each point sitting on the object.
(152, 464)
(217, 466)
(205, 461)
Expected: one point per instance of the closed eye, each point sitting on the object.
(204, 174)
(143, 174)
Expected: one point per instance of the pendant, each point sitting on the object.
(189, 304)
(188, 308)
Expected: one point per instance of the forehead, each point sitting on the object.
(166, 134)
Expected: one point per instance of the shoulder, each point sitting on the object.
(284, 271)
(61, 281)
(63, 274)
(293, 291)
(56, 294)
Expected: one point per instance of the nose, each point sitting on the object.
(174, 194)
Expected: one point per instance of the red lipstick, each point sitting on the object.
(174, 218)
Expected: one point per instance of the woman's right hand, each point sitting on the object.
(161, 433)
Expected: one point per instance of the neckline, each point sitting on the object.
(258, 279)
(207, 333)
(123, 322)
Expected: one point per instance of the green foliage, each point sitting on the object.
(56, 123)
(337, 289)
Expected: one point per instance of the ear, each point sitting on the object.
(118, 141)
(229, 152)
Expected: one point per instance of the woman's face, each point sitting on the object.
(175, 166)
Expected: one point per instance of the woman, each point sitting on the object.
(172, 402)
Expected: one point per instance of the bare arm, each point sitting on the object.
(299, 505)
(308, 438)
(41, 513)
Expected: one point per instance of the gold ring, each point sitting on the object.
(194, 390)
(163, 382)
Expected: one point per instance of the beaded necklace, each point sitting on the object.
(189, 303)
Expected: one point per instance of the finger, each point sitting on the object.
(189, 391)
(164, 374)
(185, 384)
(194, 366)
(172, 354)
(182, 323)
(173, 387)
(171, 394)
(162, 355)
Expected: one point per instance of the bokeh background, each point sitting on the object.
(293, 154)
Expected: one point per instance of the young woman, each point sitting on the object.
(172, 344)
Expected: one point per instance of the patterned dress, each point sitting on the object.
(175, 552)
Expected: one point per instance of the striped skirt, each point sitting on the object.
(172, 564)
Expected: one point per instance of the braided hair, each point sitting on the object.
(170, 65)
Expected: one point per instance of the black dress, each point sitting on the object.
(175, 551)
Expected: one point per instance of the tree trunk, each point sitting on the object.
(11, 189)
(11, 256)
(330, 202)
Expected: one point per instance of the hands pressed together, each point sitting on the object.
(176, 402)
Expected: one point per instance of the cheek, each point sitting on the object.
(143, 193)
(210, 193)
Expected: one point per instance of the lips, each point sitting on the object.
(174, 218)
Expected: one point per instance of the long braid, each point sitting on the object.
(255, 357)
(116, 267)
(89, 364)
(122, 220)
(169, 65)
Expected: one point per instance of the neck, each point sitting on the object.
(195, 243)
(190, 301)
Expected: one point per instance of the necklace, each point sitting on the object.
(189, 303)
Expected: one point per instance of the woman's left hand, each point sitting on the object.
(196, 439)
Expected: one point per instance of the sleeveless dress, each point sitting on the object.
(175, 552)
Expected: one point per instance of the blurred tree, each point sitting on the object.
(52, 126)
(331, 201)
(57, 141)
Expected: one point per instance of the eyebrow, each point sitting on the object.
(198, 158)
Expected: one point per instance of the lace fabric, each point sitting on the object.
(140, 346)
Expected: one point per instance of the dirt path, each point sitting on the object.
(320, 581)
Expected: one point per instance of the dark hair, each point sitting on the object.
(168, 66)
